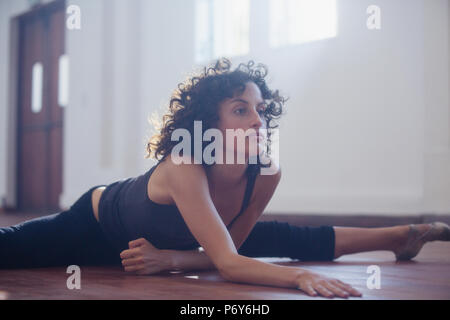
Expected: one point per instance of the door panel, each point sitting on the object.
(40, 134)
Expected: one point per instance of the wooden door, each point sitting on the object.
(40, 117)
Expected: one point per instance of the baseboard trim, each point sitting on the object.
(366, 221)
(363, 221)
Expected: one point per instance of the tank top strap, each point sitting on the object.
(251, 177)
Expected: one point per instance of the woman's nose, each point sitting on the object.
(256, 121)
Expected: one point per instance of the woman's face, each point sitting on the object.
(244, 111)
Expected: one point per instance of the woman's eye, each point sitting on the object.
(243, 110)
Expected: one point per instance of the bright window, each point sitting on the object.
(298, 21)
(222, 28)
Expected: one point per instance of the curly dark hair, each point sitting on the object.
(198, 99)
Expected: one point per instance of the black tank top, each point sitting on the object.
(127, 213)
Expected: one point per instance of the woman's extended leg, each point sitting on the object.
(404, 241)
(61, 239)
(281, 239)
(353, 240)
(326, 243)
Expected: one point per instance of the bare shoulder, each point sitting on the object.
(169, 174)
(181, 170)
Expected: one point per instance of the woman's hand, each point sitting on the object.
(143, 258)
(313, 284)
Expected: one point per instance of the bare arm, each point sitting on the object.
(188, 186)
(188, 260)
(263, 191)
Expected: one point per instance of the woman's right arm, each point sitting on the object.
(188, 186)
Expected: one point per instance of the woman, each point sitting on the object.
(159, 220)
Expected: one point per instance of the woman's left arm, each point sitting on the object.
(143, 258)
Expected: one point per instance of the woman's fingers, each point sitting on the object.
(329, 289)
(336, 290)
(131, 261)
(140, 242)
(134, 268)
(136, 243)
(340, 289)
(324, 291)
(129, 253)
(312, 283)
(348, 288)
(308, 289)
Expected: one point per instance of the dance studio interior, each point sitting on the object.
(363, 141)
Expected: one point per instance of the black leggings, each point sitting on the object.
(75, 237)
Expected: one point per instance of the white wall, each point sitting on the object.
(362, 103)
(352, 141)
(437, 112)
(367, 123)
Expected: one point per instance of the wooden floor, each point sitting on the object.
(426, 277)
